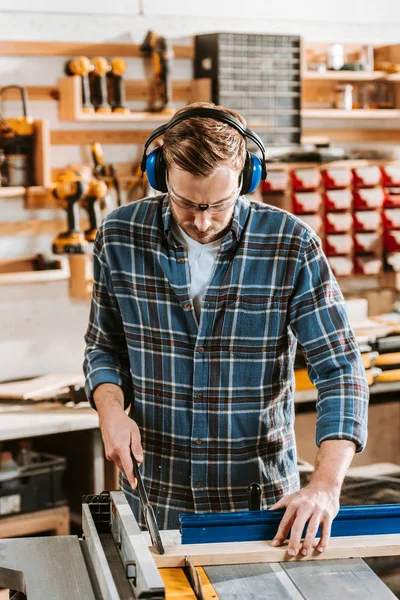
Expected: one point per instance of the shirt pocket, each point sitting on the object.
(253, 326)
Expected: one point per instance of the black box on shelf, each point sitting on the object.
(34, 486)
(259, 76)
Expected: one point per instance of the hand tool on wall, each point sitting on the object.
(158, 54)
(118, 68)
(17, 141)
(82, 66)
(92, 203)
(69, 190)
(98, 75)
(106, 172)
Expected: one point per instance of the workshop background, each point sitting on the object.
(328, 109)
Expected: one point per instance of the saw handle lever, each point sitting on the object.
(254, 496)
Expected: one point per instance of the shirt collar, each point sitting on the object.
(240, 215)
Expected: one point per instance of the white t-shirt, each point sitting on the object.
(201, 261)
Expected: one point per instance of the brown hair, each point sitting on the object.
(199, 145)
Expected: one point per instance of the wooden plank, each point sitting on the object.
(338, 113)
(263, 551)
(56, 48)
(39, 197)
(39, 386)
(42, 158)
(83, 137)
(16, 265)
(52, 519)
(36, 227)
(177, 586)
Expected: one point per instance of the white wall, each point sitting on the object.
(41, 328)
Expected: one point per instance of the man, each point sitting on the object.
(199, 296)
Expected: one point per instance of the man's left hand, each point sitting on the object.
(311, 506)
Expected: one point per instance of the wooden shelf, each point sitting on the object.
(393, 77)
(345, 75)
(70, 104)
(22, 271)
(56, 48)
(12, 191)
(336, 113)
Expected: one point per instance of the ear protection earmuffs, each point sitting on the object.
(154, 164)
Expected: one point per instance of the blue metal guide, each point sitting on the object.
(257, 525)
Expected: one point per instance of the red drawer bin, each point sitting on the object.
(338, 222)
(338, 200)
(369, 198)
(367, 243)
(277, 181)
(313, 221)
(339, 244)
(368, 265)
(390, 175)
(391, 241)
(392, 197)
(305, 179)
(368, 176)
(306, 202)
(336, 178)
(367, 220)
(341, 266)
(391, 218)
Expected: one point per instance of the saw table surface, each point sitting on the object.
(54, 568)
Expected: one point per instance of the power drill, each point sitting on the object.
(82, 66)
(118, 68)
(159, 53)
(92, 203)
(17, 140)
(69, 191)
(100, 70)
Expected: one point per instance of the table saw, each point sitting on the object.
(114, 560)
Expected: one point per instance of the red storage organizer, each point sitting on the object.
(342, 266)
(339, 244)
(393, 260)
(336, 177)
(306, 179)
(391, 241)
(391, 218)
(277, 181)
(367, 243)
(367, 265)
(369, 198)
(306, 202)
(338, 222)
(367, 220)
(338, 200)
(367, 176)
(390, 175)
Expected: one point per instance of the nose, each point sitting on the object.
(202, 220)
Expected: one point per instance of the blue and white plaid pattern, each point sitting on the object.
(214, 399)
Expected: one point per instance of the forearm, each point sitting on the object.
(109, 399)
(333, 459)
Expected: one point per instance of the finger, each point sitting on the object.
(282, 503)
(326, 526)
(300, 521)
(284, 526)
(136, 448)
(127, 467)
(312, 529)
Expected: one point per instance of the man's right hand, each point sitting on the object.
(120, 433)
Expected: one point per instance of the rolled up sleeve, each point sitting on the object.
(106, 355)
(319, 320)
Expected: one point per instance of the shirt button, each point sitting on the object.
(201, 350)
(197, 484)
(200, 396)
(199, 441)
(181, 260)
(187, 306)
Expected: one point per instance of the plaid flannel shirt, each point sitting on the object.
(214, 399)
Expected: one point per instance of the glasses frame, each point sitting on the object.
(212, 208)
